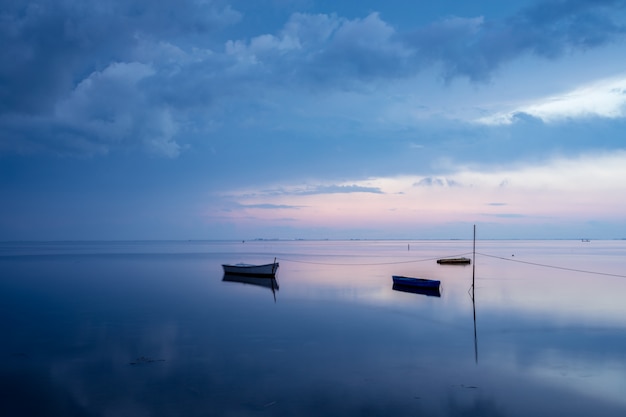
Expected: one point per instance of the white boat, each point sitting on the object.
(267, 270)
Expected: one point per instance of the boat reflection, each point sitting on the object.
(431, 292)
(267, 282)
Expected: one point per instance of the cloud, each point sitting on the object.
(475, 47)
(86, 78)
(436, 182)
(106, 110)
(604, 98)
(284, 198)
(338, 189)
(55, 57)
(447, 42)
(571, 24)
(313, 190)
(46, 47)
(555, 191)
(504, 215)
(332, 50)
(326, 50)
(267, 206)
(110, 107)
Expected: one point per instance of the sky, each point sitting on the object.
(304, 119)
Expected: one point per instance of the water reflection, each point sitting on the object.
(473, 297)
(265, 282)
(341, 342)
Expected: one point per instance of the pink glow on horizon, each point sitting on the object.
(559, 192)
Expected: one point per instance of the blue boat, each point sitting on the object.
(416, 282)
(431, 292)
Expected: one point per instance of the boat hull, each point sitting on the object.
(454, 261)
(267, 270)
(416, 282)
(431, 292)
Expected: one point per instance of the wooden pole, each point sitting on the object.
(474, 258)
(473, 296)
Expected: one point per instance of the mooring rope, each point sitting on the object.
(451, 256)
(370, 264)
(552, 266)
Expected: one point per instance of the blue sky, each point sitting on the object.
(288, 119)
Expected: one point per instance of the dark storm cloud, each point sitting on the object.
(331, 50)
(82, 77)
(49, 46)
(363, 49)
(475, 48)
(69, 79)
(554, 27)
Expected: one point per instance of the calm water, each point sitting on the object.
(150, 329)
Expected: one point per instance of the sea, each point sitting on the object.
(154, 328)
